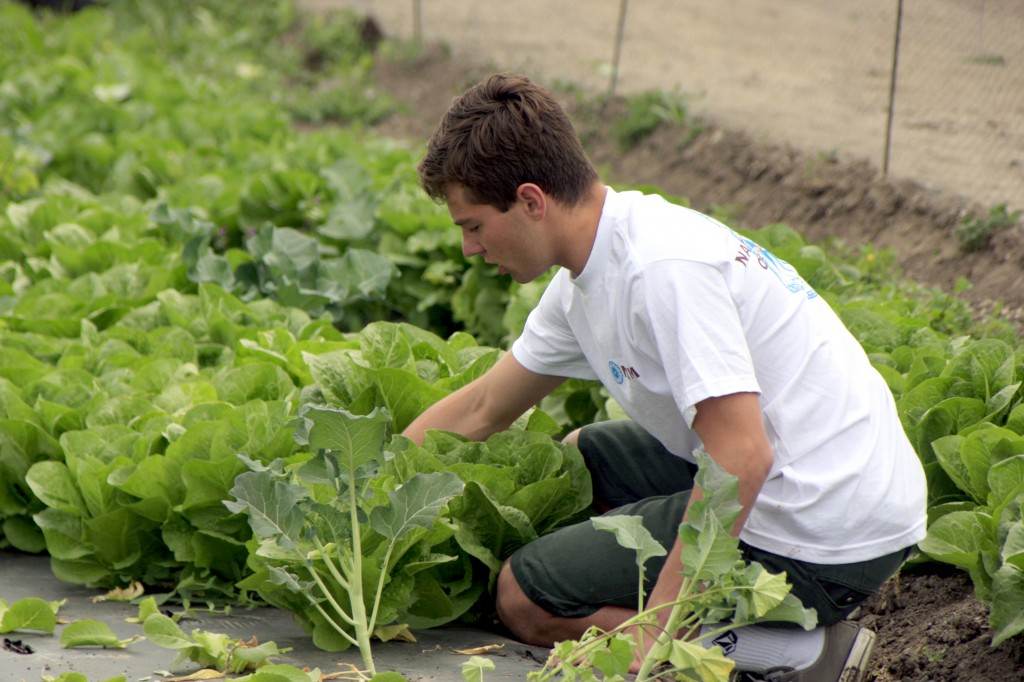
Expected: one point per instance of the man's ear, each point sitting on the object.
(533, 200)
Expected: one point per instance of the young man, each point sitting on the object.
(706, 341)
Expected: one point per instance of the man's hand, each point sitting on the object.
(644, 641)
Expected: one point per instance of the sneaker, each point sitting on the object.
(844, 658)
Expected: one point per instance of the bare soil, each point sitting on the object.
(930, 626)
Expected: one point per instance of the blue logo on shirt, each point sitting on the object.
(616, 372)
(751, 252)
(622, 373)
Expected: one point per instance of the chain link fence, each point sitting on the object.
(925, 90)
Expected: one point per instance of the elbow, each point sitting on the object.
(763, 463)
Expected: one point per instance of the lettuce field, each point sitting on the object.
(207, 258)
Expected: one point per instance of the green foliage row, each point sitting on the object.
(153, 110)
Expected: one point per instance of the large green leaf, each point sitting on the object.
(488, 530)
(64, 534)
(156, 477)
(208, 483)
(404, 394)
(259, 427)
(988, 365)
(358, 275)
(272, 506)
(30, 613)
(630, 533)
(355, 440)
(951, 416)
(1007, 615)
(386, 345)
(1006, 481)
(417, 503)
(962, 538)
(258, 381)
(53, 484)
(116, 538)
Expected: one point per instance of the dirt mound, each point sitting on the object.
(930, 626)
(931, 629)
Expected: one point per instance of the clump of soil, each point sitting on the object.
(930, 626)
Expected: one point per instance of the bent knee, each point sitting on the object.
(517, 611)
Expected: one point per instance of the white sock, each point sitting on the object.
(756, 648)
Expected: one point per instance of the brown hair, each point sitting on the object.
(502, 133)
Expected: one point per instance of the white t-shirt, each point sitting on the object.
(673, 307)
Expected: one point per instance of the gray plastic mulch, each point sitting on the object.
(29, 656)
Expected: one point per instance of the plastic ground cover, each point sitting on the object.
(434, 657)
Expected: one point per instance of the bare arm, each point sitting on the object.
(732, 431)
(487, 405)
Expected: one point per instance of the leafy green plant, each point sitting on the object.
(359, 539)
(961, 404)
(975, 233)
(645, 113)
(346, 571)
(143, 446)
(396, 366)
(295, 270)
(719, 589)
(519, 484)
(985, 534)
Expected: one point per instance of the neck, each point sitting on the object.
(580, 229)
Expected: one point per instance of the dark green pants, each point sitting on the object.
(576, 570)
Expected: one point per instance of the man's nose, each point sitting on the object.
(471, 247)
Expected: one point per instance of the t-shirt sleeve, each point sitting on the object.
(547, 344)
(696, 327)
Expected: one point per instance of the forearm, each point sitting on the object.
(488, 404)
(460, 412)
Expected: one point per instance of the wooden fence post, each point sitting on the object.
(617, 57)
(892, 88)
